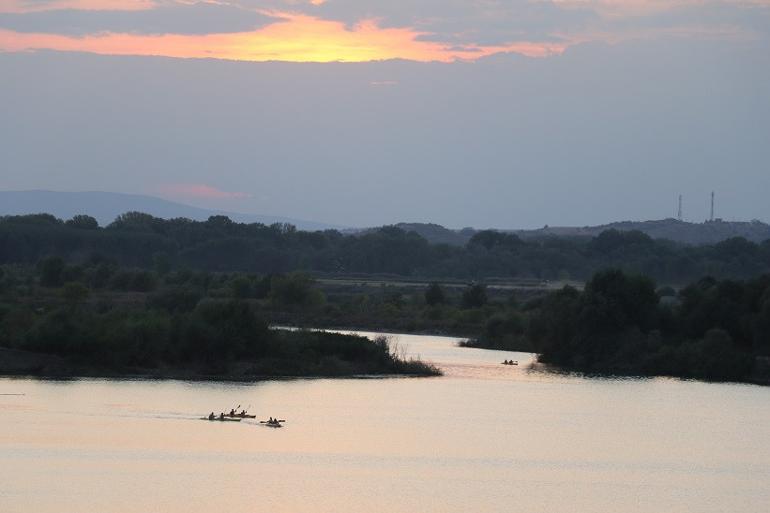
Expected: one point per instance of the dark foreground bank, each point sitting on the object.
(218, 339)
(620, 324)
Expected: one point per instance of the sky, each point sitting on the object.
(485, 113)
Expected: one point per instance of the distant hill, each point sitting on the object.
(433, 233)
(671, 229)
(709, 232)
(106, 206)
(437, 234)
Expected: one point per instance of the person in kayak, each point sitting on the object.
(211, 416)
(232, 412)
(221, 416)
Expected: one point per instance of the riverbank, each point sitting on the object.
(20, 364)
(218, 339)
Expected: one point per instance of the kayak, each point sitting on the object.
(217, 419)
(241, 416)
(271, 424)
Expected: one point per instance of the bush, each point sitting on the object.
(434, 295)
(475, 296)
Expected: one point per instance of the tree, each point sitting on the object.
(614, 301)
(75, 293)
(294, 289)
(475, 296)
(241, 287)
(161, 263)
(143, 281)
(175, 299)
(434, 295)
(490, 239)
(83, 222)
(51, 269)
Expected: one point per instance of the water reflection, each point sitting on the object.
(485, 437)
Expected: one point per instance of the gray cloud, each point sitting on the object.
(499, 22)
(167, 18)
(489, 23)
(753, 18)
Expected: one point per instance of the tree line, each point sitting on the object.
(620, 323)
(712, 329)
(145, 242)
(183, 324)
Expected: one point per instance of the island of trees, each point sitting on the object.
(714, 330)
(55, 320)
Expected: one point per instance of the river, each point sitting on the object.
(482, 438)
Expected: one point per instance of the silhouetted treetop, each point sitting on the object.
(220, 244)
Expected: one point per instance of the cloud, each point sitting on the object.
(88, 5)
(298, 38)
(167, 18)
(501, 23)
(360, 30)
(490, 23)
(197, 190)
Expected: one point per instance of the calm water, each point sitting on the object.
(483, 438)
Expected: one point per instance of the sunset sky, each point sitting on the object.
(561, 112)
(362, 30)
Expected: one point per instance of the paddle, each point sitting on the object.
(233, 412)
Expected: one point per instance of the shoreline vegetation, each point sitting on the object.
(60, 333)
(325, 355)
(16, 363)
(90, 312)
(619, 325)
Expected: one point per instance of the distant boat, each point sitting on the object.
(511, 362)
(272, 424)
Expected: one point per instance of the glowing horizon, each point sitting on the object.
(294, 38)
(369, 30)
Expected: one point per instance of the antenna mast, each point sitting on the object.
(679, 214)
(712, 205)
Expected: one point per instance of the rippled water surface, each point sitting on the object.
(483, 438)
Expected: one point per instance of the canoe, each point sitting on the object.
(272, 425)
(239, 416)
(217, 419)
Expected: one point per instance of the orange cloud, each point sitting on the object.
(300, 38)
(83, 5)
